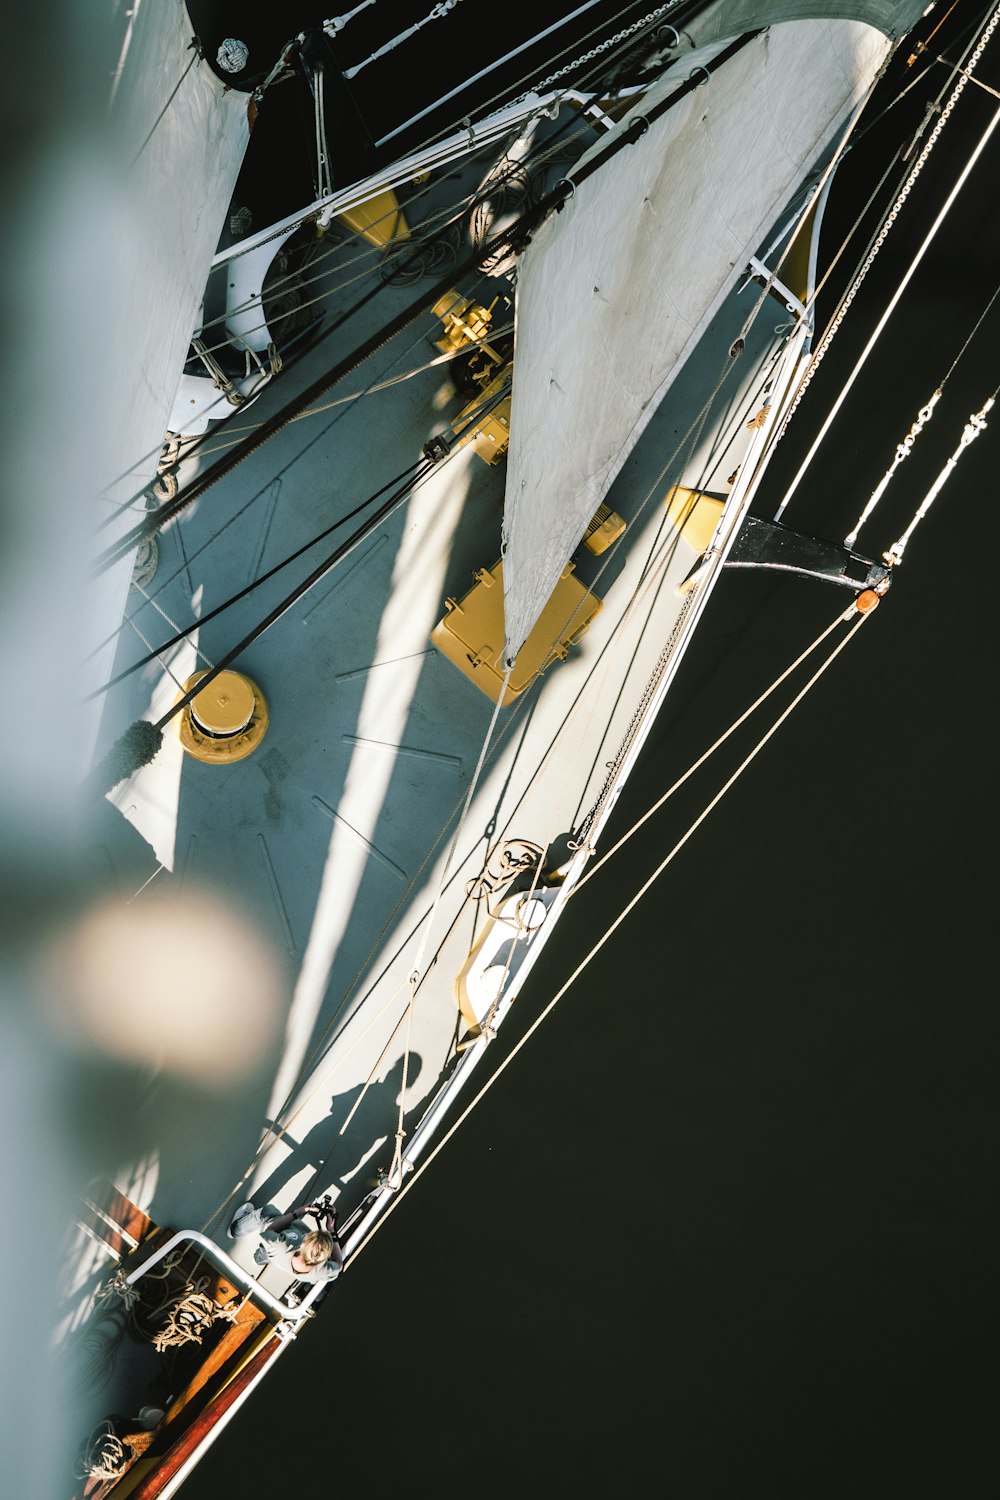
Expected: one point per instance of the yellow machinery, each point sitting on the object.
(471, 635)
(603, 531)
(379, 220)
(466, 325)
(226, 721)
(695, 515)
(489, 435)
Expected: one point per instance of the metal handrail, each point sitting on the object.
(223, 1262)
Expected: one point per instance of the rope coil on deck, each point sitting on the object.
(182, 1315)
(106, 1456)
(190, 1319)
(503, 864)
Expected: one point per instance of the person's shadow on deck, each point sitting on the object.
(337, 1158)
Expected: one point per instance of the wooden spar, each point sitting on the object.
(156, 1481)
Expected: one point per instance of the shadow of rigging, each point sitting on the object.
(342, 1143)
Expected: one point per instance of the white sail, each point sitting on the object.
(183, 136)
(178, 141)
(616, 290)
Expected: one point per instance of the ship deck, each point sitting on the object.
(334, 836)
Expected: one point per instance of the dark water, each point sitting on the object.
(727, 1226)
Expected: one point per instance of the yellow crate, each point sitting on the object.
(471, 635)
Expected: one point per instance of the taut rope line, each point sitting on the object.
(862, 615)
(904, 448)
(973, 427)
(416, 976)
(907, 276)
(707, 754)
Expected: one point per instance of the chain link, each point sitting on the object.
(602, 47)
(652, 683)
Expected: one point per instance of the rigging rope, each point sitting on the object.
(664, 545)
(413, 477)
(525, 77)
(317, 388)
(904, 448)
(973, 427)
(337, 23)
(890, 220)
(612, 41)
(277, 1131)
(179, 636)
(448, 219)
(416, 977)
(486, 1031)
(534, 158)
(423, 233)
(384, 510)
(650, 572)
(510, 236)
(414, 980)
(658, 560)
(903, 451)
(652, 569)
(736, 724)
(157, 655)
(275, 1134)
(524, 225)
(437, 12)
(451, 215)
(153, 734)
(862, 613)
(471, 414)
(370, 390)
(482, 255)
(922, 46)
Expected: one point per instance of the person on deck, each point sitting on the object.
(288, 1242)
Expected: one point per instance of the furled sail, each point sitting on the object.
(616, 290)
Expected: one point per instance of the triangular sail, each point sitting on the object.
(616, 290)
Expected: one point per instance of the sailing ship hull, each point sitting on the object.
(404, 836)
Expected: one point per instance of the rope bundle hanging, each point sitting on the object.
(119, 1286)
(190, 1318)
(163, 1313)
(107, 1456)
